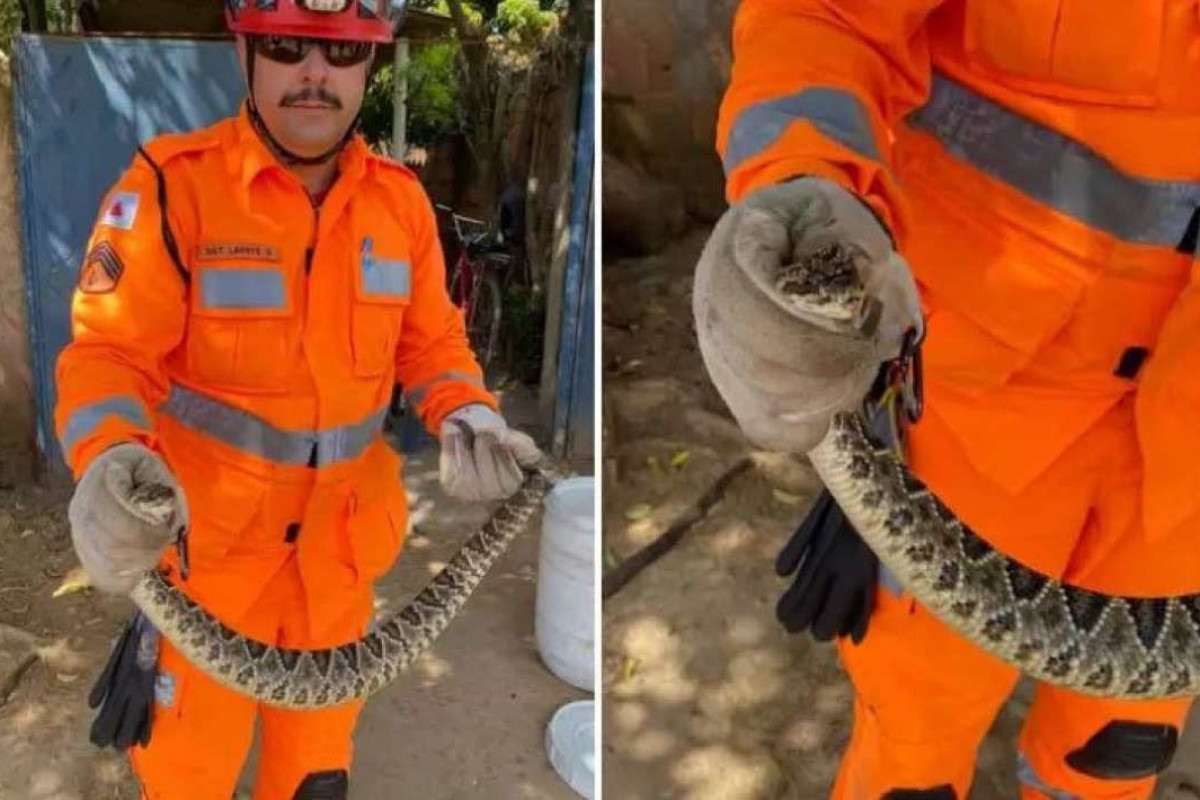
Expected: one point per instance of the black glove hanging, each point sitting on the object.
(836, 572)
(834, 589)
(124, 692)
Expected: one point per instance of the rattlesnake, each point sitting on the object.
(320, 678)
(1089, 642)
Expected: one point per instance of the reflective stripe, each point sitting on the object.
(1055, 170)
(417, 394)
(241, 429)
(1028, 777)
(836, 113)
(381, 276)
(87, 418)
(260, 289)
(888, 580)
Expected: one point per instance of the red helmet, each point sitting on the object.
(348, 20)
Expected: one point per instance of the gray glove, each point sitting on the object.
(118, 529)
(481, 456)
(783, 371)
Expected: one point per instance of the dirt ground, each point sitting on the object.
(468, 722)
(705, 696)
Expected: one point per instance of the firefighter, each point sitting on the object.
(251, 294)
(1018, 186)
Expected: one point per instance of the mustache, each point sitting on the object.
(310, 96)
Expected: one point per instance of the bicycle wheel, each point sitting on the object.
(483, 319)
(459, 289)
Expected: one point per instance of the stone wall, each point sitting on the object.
(666, 64)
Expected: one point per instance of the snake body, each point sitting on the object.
(1105, 645)
(307, 679)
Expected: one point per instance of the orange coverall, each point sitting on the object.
(1037, 161)
(261, 369)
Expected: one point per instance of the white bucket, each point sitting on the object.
(564, 625)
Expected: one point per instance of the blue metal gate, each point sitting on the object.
(82, 107)
(574, 411)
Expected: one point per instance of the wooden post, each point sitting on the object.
(400, 101)
(19, 461)
(566, 127)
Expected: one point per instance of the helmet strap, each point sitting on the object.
(288, 157)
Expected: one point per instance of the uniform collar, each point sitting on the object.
(250, 156)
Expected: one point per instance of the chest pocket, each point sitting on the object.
(241, 335)
(1090, 51)
(382, 290)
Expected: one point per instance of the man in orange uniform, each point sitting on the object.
(251, 294)
(1035, 164)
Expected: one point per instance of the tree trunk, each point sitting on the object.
(35, 15)
(479, 101)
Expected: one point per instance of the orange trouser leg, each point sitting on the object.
(298, 743)
(926, 697)
(202, 731)
(1061, 722)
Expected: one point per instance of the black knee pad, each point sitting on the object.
(1126, 750)
(333, 784)
(943, 792)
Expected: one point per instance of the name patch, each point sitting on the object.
(236, 251)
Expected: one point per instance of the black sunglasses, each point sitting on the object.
(294, 49)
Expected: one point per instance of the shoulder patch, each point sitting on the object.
(121, 210)
(102, 270)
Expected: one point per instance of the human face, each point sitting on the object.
(307, 106)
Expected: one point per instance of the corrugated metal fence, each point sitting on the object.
(82, 107)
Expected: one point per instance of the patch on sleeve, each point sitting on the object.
(102, 270)
(121, 210)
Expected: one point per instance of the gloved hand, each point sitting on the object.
(124, 692)
(782, 372)
(481, 456)
(836, 576)
(116, 538)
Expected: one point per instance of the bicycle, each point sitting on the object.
(475, 282)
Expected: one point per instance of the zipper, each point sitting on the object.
(312, 246)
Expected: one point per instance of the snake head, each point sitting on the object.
(823, 286)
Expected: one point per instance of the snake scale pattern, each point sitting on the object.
(308, 679)
(1123, 647)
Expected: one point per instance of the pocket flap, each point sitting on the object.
(377, 516)
(222, 505)
(375, 531)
